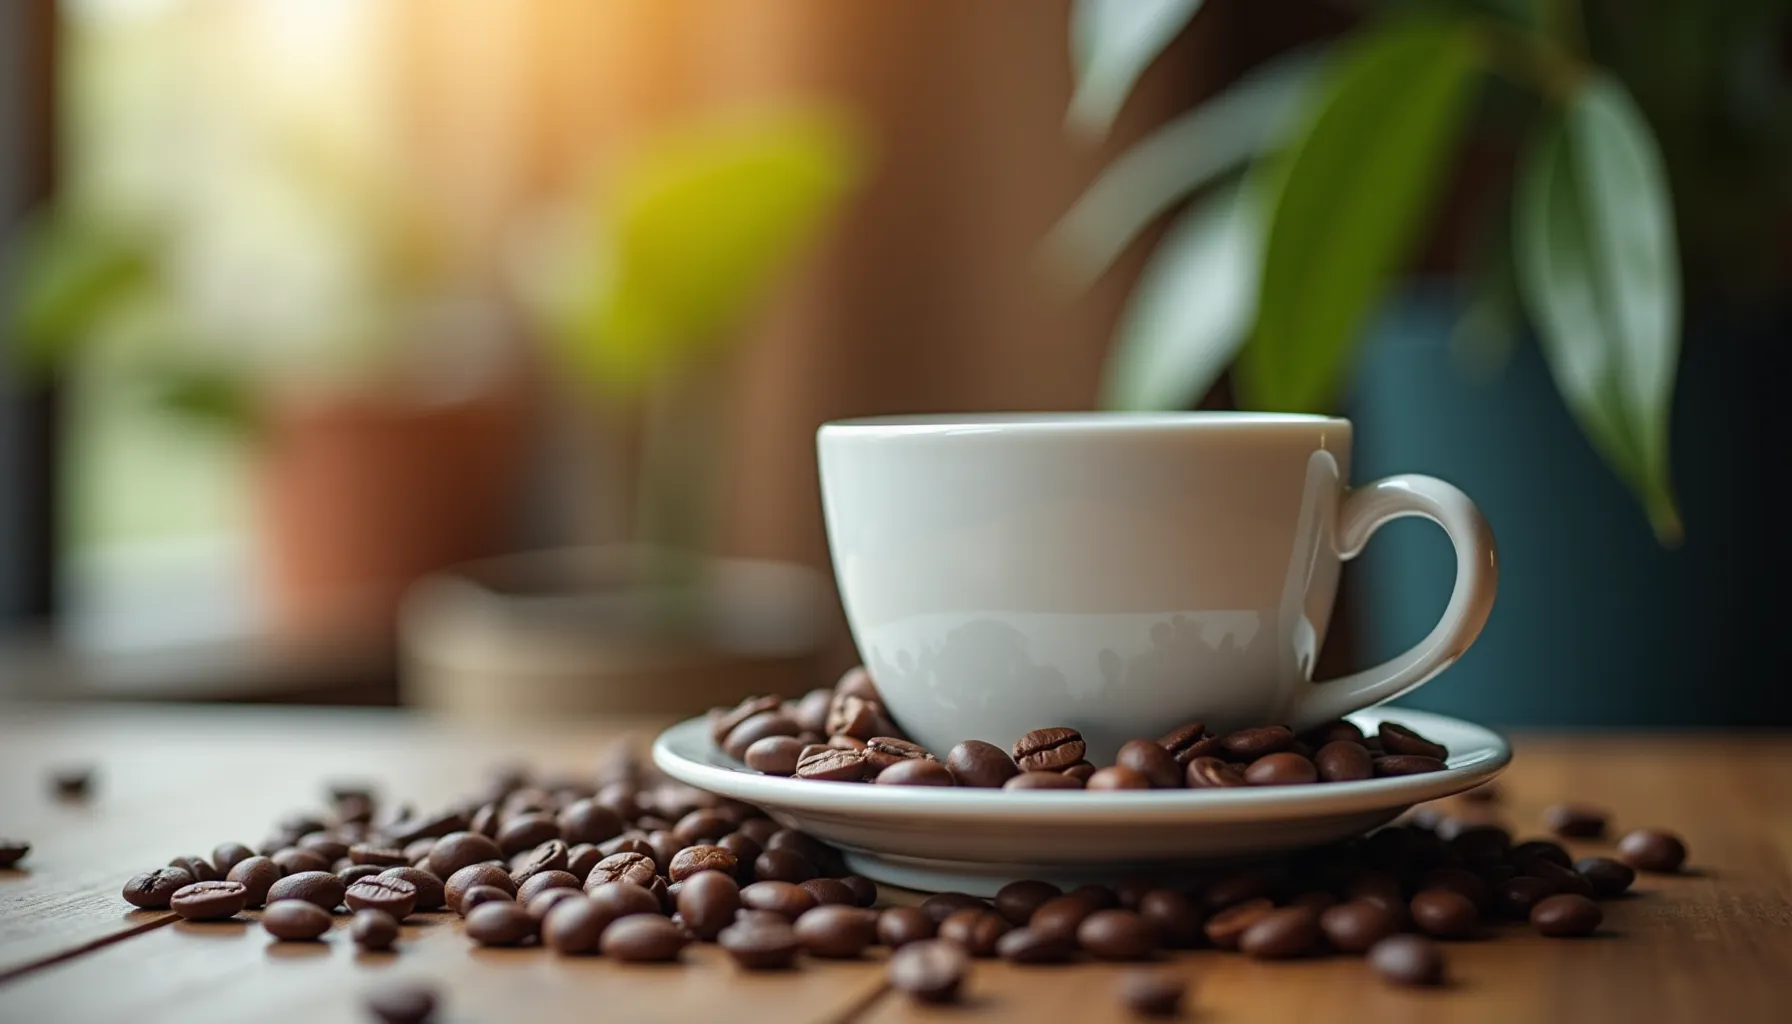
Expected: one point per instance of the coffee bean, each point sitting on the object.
(461, 849)
(295, 920)
(293, 860)
(841, 742)
(480, 895)
(1080, 771)
(405, 1002)
(1340, 731)
(1098, 897)
(501, 923)
(317, 887)
(643, 938)
(1515, 897)
(931, 971)
(1541, 849)
(546, 881)
(836, 932)
(1213, 773)
(1608, 877)
(1250, 744)
(864, 890)
(774, 755)
(883, 751)
(470, 877)
(1408, 960)
(1026, 946)
(1043, 780)
(1153, 993)
(1566, 915)
(257, 875)
(725, 722)
(395, 896)
(524, 832)
(1652, 849)
(1575, 821)
(1049, 749)
(433, 826)
(761, 947)
(857, 717)
(1117, 777)
(588, 822)
(373, 930)
(899, 926)
(1116, 935)
(324, 845)
(708, 902)
(417, 852)
(12, 851)
(1017, 901)
(694, 859)
(1131, 889)
(622, 867)
(833, 765)
(1343, 761)
(1560, 879)
(575, 927)
(703, 825)
(209, 901)
(431, 893)
(621, 899)
(228, 855)
(1152, 761)
(976, 763)
(942, 905)
(1177, 920)
(1400, 741)
(975, 929)
(542, 902)
(1181, 738)
(830, 891)
(1463, 881)
(355, 872)
(1284, 769)
(1281, 934)
(1355, 925)
(1237, 887)
(1444, 913)
(1227, 927)
(151, 889)
(782, 866)
(786, 899)
(916, 772)
(377, 856)
(486, 820)
(811, 711)
(549, 856)
(1406, 764)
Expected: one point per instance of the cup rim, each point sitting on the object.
(1058, 422)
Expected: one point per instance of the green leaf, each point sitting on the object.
(67, 275)
(1346, 201)
(1599, 274)
(1176, 160)
(1191, 309)
(208, 398)
(1112, 42)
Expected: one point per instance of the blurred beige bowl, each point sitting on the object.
(583, 631)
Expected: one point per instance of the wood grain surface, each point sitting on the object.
(1713, 944)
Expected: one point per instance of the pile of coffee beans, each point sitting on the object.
(845, 735)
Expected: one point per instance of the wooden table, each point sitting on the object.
(1712, 945)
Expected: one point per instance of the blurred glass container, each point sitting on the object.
(602, 631)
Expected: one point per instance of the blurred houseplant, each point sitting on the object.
(1319, 174)
(639, 284)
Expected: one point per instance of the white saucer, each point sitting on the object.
(976, 840)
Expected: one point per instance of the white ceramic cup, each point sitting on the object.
(1119, 573)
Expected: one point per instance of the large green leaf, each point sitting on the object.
(1191, 309)
(1598, 270)
(1231, 128)
(67, 275)
(1112, 42)
(1346, 201)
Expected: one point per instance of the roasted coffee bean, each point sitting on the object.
(864, 890)
(803, 845)
(782, 866)
(832, 764)
(1281, 934)
(620, 899)
(1177, 920)
(1343, 761)
(1182, 737)
(467, 878)
(1250, 744)
(694, 859)
(643, 938)
(1514, 898)
(1560, 879)
(295, 920)
(1408, 960)
(574, 927)
(786, 899)
(883, 751)
(1185, 748)
(708, 902)
(395, 896)
(258, 875)
(432, 826)
(622, 867)
(1339, 731)
(549, 856)
(774, 755)
(1444, 913)
(916, 772)
(355, 872)
(857, 717)
(1026, 946)
(1463, 881)
(581, 859)
(976, 763)
(542, 902)
(703, 825)
(857, 682)
(324, 845)
(930, 971)
(417, 851)
(811, 710)
(501, 923)
(1131, 889)
(1080, 771)
(665, 846)
(373, 930)
(209, 901)
(151, 889)
(1043, 780)
(1117, 777)
(1213, 773)
(319, 887)
(403, 1002)
(724, 722)
(1061, 916)
(976, 930)
(1652, 849)
(830, 891)
(1225, 928)
(431, 893)
(546, 881)
(482, 894)
(1575, 821)
(1017, 901)
(1116, 935)
(1608, 877)
(1566, 915)
(1355, 925)
(588, 822)
(293, 860)
(1153, 993)
(942, 905)
(486, 820)
(1540, 849)
(899, 926)
(1049, 749)
(1284, 769)
(836, 932)
(1237, 887)
(835, 743)
(377, 856)
(1399, 740)
(761, 947)
(1099, 897)
(228, 855)
(1152, 761)
(461, 849)
(524, 832)
(1406, 764)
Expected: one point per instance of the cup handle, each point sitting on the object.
(1363, 511)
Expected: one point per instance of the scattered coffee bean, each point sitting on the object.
(1566, 915)
(1652, 849)
(1026, 946)
(295, 920)
(832, 764)
(459, 850)
(200, 868)
(770, 946)
(1227, 927)
(542, 902)
(1153, 993)
(836, 932)
(1444, 913)
(228, 855)
(931, 971)
(151, 890)
(355, 872)
(1116, 935)
(774, 755)
(479, 895)
(1343, 761)
(1061, 916)
(1151, 760)
(551, 855)
(1213, 773)
(1463, 881)
(624, 898)
(899, 926)
(402, 1003)
(1117, 777)
(634, 868)
(1281, 934)
(726, 721)
(546, 881)
(942, 905)
(574, 927)
(394, 896)
(1560, 879)
(782, 866)
(1237, 887)
(976, 929)
(708, 902)
(786, 899)
(12, 851)
(1540, 849)
(1177, 920)
(1356, 925)
(431, 893)
(643, 938)
(1049, 749)
(1515, 897)
(324, 845)
(1281, 769)
(1406, 764)
(1043, 780)
(830, 891)
(883, 751)
(373, 930)
(1017, 901)
(501, 923)
(1251, 744)
(1575, 821)
(1079, 772)
(1400, 741)
(257, 875)
(864, 890)
(318, 887)
(916, 772)
(209, 901)
(976, 763)
(756, 728)
(694, 859)
(1408, 960)
(1608, 877)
